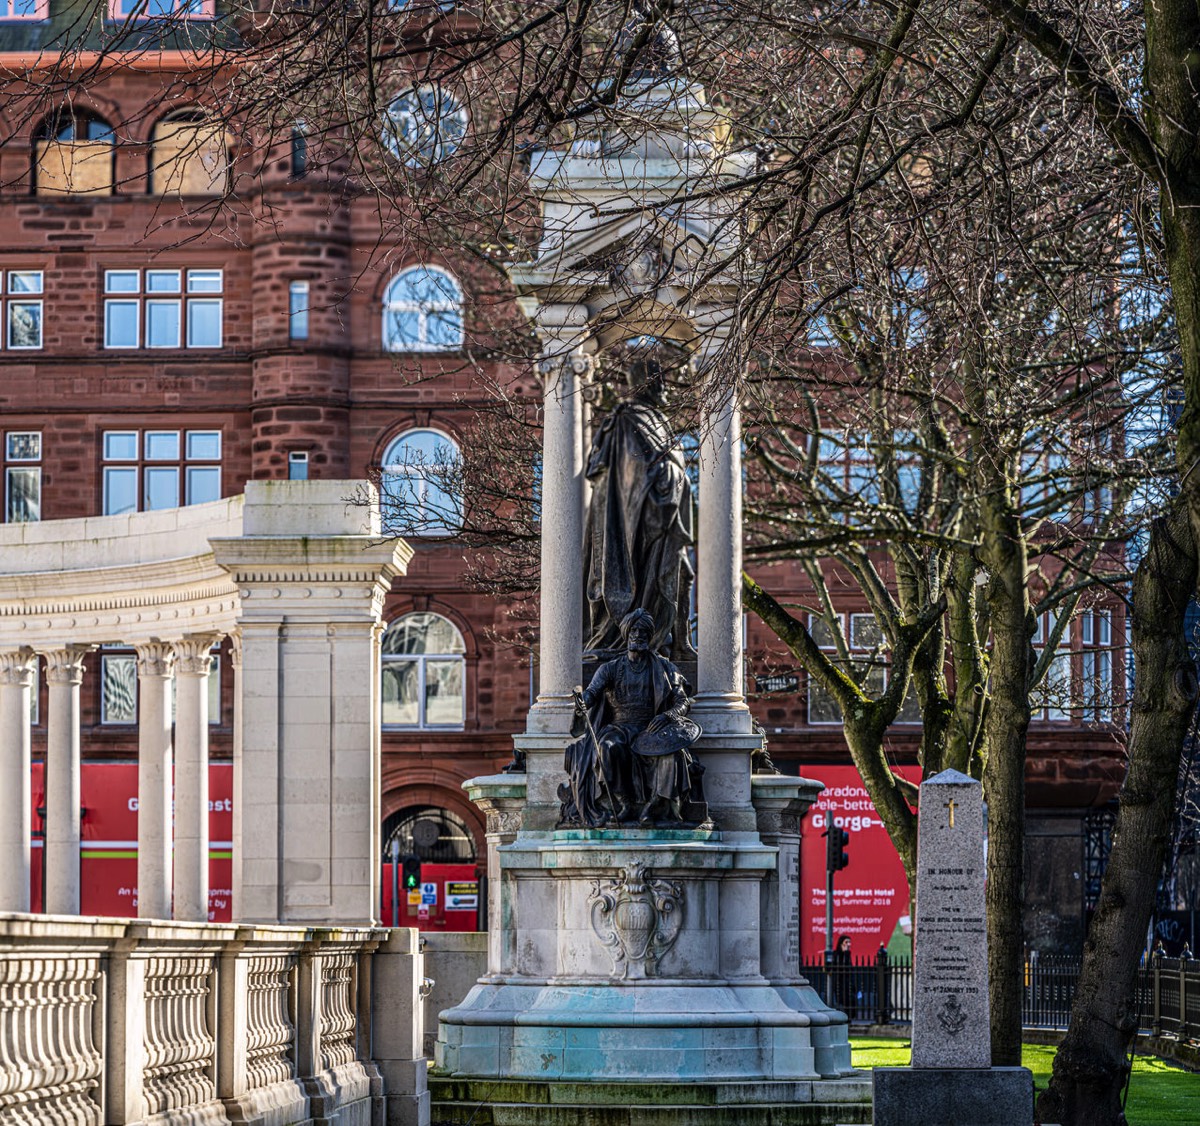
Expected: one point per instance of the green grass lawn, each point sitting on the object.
(1160, 1094)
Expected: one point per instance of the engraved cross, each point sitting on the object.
(950, 807)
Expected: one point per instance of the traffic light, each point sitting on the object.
(836, 840)
(410, 869)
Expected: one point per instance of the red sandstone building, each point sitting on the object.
(164, 342)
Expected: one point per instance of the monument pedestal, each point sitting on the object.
(635, 960)
(971, 1096)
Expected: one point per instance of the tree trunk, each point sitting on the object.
(1091, 1066)
(1004, 774)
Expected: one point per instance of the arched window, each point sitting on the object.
(423, 673)
(420, 488)
(73, 155)
(422, 311)
(437, 836)
(188, 155)
(423, 126)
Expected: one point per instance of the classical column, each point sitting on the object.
(17, 672)
(154, 661)
(64, 674)
(565, 368)
(235, 661)
(719, 562)
(192, 658)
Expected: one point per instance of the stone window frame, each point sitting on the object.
(58, 147)
(16, 460)
(30, 294)
(395, 303)
(421, 661)
(860, 651)
(426, 522)
(150, 290)
(144, 460)
(299, 309)
(180, 10)
(8, 12)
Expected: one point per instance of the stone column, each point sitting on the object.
(235, 661)
(154, 661)
(64, 674)
(720, 693)
(18, 670)
(192, 659)
(565, 368)
(313, 573)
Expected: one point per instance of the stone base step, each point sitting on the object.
(482, 1102)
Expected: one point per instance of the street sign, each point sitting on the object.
(429, 894)
(462, 895)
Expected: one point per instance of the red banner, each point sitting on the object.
(870, 895)
(108, 849)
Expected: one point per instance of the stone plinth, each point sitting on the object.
(991, 1096)
(639, 955)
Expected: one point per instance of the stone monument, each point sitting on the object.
(951, 1081)
(643, 943)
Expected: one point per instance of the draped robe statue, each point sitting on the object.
(639, 524)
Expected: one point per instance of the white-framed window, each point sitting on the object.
(297, 465)
(22, 476)
(1052, 699)
(422, 311)
(1096, 664)
(423, 126)
(420, 491)
(22, 310)
(144, 470)
(424, 673)
(298, 310)
(849, 468)
(868, 667)
(163, 308)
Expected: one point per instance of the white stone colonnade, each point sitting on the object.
(295, 573)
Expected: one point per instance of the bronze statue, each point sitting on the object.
(634, 758)
(639, 523)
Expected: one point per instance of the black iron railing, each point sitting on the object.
(879, 991)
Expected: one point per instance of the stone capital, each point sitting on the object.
(581, 365)
(65, 665)
(155, 658)
(193, 654)
(17, 668)
(235, 650)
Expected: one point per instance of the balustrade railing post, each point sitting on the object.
(233, 1019)
(126, 1006)
(308, 1012)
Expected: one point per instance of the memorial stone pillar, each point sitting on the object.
(154, 661)
(18, 670)
(193, 657)
(64, 674)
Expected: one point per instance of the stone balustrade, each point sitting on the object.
(129, 1022)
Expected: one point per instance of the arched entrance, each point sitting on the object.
(435, 835)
